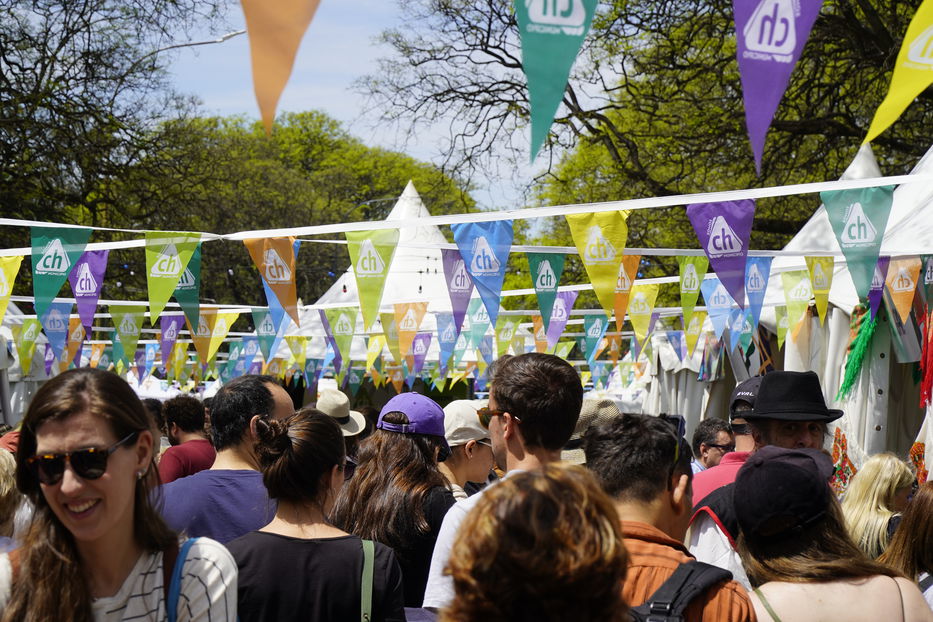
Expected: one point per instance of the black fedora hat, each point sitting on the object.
(791, 396)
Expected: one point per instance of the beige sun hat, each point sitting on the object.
(593, 412)
(337, 405)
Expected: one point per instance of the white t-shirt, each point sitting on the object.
(709, 544)
(928, 594)
(439, 591)
(208, 588)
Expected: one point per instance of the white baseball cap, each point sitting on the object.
(461, 424)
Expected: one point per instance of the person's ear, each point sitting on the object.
(143, 450)
(254, 426)
(509, 426)
(468, 448)
(681, 494)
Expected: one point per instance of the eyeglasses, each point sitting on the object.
(86, 463)
(723, 448)
(485, 415)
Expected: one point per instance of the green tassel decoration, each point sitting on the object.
(857, 351)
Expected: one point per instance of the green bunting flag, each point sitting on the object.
(505, 330)
(24, 337)
(692, 271)
(563, 348)
(600, 238)
(551, 34)
(167, 257)
(545, 270)
(342, 322)
(859, 218)
(54, 253)
(188, 290)
(780, 316)
(797, 294)
(371, 254)
(128, 320)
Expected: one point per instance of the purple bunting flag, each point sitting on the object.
(724, 230)
(770, 37)
(459, 285)
(86, 279)
(876, 292)
(560, 313)
(170, 326)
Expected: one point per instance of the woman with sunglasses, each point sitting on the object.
(94, 550)
(398, 496)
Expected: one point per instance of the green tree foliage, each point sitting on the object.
(653, 108)
(654, 105)
(81, 86)
(222, 175)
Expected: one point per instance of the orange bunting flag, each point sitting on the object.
(903, 274)
(275, 30)
(539, 334)
(628, 270)
(275, 258)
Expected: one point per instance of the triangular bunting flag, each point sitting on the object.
(821, 280)
(724, 230)
(545, 270)
(371, 254)
(485, 248)
(167, 257)
(54, 253)
(600, 238)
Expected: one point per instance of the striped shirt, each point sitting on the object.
(208, 588)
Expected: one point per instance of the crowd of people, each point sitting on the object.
(532, 505)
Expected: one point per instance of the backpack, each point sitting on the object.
(668, 603)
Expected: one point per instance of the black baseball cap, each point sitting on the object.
(779, 491)
(745, 391)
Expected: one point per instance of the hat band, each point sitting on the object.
(574, 443)
(342, 420)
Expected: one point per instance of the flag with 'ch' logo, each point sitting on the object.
(724, 230)
(485, 247)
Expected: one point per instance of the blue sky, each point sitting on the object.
(338, 48)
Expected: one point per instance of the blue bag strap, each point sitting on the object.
(174, 588)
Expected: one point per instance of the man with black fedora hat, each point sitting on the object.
(789, 412)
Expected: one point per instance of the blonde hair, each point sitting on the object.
(10, 497)
(869, 502)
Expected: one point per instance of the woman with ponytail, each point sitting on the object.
(96, 546)
(299, 566)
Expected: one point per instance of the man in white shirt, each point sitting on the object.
(533, 407)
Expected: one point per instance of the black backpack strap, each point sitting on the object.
(669, 601)
(926, 583)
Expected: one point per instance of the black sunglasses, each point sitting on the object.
(723, 448)
(87, 463)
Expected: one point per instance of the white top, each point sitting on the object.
(439, 591)
(928, 594)
(208, 588)
(710, 545)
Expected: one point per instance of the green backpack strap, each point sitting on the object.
(366, 591)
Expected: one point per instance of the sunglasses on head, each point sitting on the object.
(86, 463)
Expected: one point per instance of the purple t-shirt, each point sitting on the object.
(222, 505)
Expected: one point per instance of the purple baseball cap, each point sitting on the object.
(425, 416)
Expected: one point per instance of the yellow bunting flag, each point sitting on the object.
(600, 238)
(275, 368)
(9, 266)
(913, 71)
(275, 30)
(693, 330)
(585, 377)
(221, 326)
(903, 274)
(563, 348)
(628, 270)
(275, 259)
(97, 350)
(821, 279)
(408, 316)
(780, 318)
(179, 358)
(640, 307)
(373, 352)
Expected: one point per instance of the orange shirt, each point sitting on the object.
(654, 556)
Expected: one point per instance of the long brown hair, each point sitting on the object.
(540, 546)
(821, 551)
(911, 547)
(383, 501)
(51, 584)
